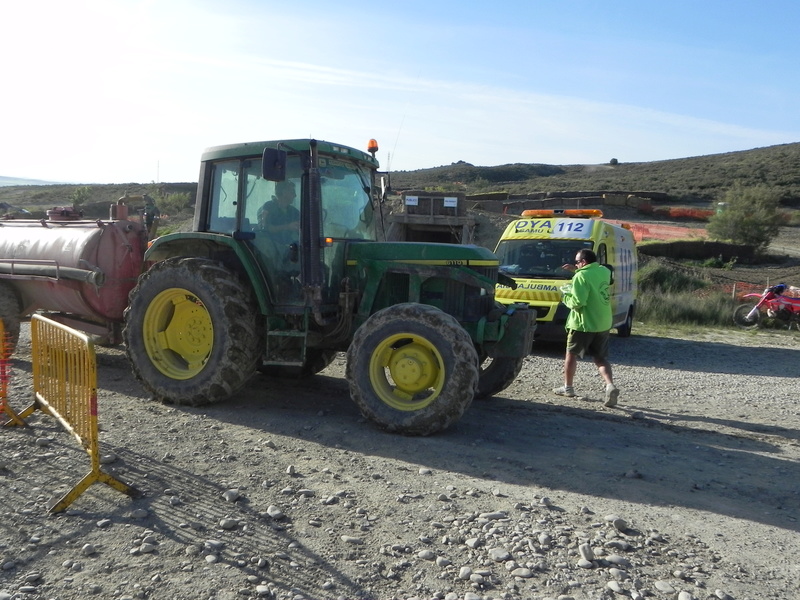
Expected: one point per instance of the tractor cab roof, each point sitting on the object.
(255, 149)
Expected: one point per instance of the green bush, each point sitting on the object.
(793, 218)
(669, 296)
(686, 308)
(170, 228)
(80, 195)
(750, 216)
(173, 204)
(718, 262)
(655, 276)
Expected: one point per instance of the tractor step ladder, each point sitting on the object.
(286, 348)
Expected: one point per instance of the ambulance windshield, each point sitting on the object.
(538, 258)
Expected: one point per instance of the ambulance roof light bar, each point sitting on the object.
(577, 213)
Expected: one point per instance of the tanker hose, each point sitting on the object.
(93, 277)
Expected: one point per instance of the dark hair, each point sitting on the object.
(285, 186)
(588, 255)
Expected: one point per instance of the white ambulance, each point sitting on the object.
(533, 249)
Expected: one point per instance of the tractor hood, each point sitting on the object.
(423, 253)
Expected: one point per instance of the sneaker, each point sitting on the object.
(564, 390)
(612, 393)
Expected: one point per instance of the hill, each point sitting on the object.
(95, 198)
(700, 179)
(685, 180)
(5, 181)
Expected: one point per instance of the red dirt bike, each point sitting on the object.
(770, 304)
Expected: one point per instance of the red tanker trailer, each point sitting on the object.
(77, 271)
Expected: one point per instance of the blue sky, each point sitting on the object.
(117, 91)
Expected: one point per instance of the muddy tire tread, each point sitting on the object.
(237, 342)
(452, 342)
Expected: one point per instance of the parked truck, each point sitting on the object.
(419, 321)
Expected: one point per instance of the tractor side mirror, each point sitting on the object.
(273, 164)
(385, 187)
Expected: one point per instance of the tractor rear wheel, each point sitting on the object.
(191, 331)
(496, 374)
(10, 308)
(412, 369)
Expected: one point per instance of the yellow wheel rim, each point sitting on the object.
(407, 372)
(178, 333)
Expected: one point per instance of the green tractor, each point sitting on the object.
(283, 269)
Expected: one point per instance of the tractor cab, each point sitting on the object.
(296, 206)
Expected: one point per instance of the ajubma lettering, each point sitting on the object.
(541, 287)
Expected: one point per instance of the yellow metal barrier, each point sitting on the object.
(5, 377)
(65, 387)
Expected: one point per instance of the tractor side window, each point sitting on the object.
(224, 196)
(271, 210)
(270, 207)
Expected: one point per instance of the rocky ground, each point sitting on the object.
(687, 490)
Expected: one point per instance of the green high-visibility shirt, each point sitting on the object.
(588, 299)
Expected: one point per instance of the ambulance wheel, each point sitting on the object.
(624, 330)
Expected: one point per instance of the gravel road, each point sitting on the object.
(688, 489)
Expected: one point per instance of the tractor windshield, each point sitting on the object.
(347, 212)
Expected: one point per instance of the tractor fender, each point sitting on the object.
(214, 246)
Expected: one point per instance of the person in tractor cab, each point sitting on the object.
(279, 217)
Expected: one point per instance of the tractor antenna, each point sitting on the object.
(399, 129)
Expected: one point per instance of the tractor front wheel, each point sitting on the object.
(496, 374)
(191, 331)
(412, 369)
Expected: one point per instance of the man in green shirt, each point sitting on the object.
(588, 323)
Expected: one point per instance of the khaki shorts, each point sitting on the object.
(594, 343)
